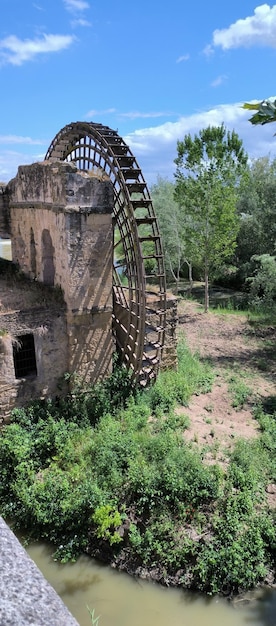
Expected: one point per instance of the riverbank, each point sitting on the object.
(172, 484)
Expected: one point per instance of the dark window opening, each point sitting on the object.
(24, 356)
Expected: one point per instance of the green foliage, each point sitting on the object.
(239, 391)
(192, 376)
(241, 547)
(107, 520)
(263, 282)
(163, 541)
(233, 562)
(267, 422)
(209, 167)
(266, 111)
(172, 228)
(94, 620)
(256, 208)
(88, 403)
(132, 484)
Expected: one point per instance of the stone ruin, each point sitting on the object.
(56, 315)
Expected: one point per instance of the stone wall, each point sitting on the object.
(27, 599)
(49, 330)
(60, 222)
(61, 231)
(4, 213)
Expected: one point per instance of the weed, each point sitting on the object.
(94, 620)
(194, 376)
(239, 391)
(107, 520)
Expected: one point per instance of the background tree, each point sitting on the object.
(171, 226)
(263, 282)
(209, 167)
(257, 207)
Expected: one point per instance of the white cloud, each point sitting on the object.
(80, 22)
(76, 5)
(96, 113)
(134, 115)
(17, 51)
(131, 115)
(256, 30)
(155, 147)
(184, 57)
(10, 160)
(208, 50)
(219, 80)
(18, 139)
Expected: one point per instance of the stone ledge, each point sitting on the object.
(26, 598)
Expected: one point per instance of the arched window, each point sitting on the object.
(48, 268)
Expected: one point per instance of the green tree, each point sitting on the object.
(171, 226)
(257, 208)
(209, 167)
(263, 282)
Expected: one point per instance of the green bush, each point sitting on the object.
(263, 282)
(74, 477)
(192, 376)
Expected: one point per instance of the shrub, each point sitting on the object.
(192, 376)
(263, 282)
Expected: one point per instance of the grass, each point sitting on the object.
(229, 309)
(258, 317)
(228, 302)
(111, 474)
(193, 376)
(239, 391)
(94, 620)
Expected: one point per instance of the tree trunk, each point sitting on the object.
(206, 291)
(190, 278)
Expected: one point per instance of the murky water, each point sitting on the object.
(123, 601)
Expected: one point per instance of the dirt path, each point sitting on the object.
(244, 359)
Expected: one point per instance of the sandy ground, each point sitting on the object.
(234, 348)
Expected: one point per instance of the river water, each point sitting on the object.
(5, 249)
(124, 601)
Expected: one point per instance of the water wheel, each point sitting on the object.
(139, 289)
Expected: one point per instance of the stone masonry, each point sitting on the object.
(60, 224)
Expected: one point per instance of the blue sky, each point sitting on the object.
(155, 71)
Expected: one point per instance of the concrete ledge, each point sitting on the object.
(26, 598)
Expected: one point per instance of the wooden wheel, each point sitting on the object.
(139, 310)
